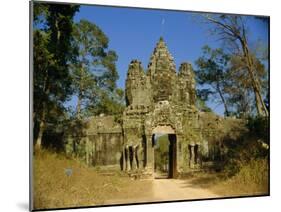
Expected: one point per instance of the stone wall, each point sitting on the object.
(101, 143)
(215, 130)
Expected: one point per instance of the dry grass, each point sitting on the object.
(53, 188)
(252, 179)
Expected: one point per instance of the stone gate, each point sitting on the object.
(159, 100)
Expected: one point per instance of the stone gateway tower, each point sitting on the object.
(159, 100)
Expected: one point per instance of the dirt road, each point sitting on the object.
(169, 189)
(175, 189)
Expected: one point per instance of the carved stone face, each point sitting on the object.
(160, 90)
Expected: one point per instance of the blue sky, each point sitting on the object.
(133, 34)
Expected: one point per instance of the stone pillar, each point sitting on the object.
(127, 158)
(192, 156)
(134, 162)
(124, 159)
(196, 154)
(199, 157)
(139, 156)
(149, 154)
(87, 149)
(180, 163)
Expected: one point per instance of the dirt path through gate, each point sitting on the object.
(176, 189)
(168, 190)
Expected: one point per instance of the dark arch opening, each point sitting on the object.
(164, 155)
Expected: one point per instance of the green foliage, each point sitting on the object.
(162, 153)
(70, 60)
(233, 31)
(201, 104)
(259, 126)
(251, 146)
(225, 80)
(212, 66)
(108, 103)
(41, 58)
(52, 53)
(212, 75)
(241, 94)
(163, 143)
(40, 12)
(94, 71)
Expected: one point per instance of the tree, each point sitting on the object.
(240, 86)
(52, 52)
(232, 30)
(201, 103)
(212, 74)
(108, 103)
(93, 71)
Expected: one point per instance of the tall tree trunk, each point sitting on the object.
(38, 141)
(42, 122)
(223, 101)
(233, 31)
(244, 104)
(78, 107)
(260, 105)
(80, 94)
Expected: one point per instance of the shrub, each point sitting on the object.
(251, 179)
(259, 127)
(251, 145)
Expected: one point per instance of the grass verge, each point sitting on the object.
(252, 179)
(61, 182)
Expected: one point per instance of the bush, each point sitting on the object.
(259, 127)
(251, 179)
(252, 145)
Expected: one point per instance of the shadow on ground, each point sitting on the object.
(205, 180)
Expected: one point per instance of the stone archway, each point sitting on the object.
(167, 129)
(171, 149)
